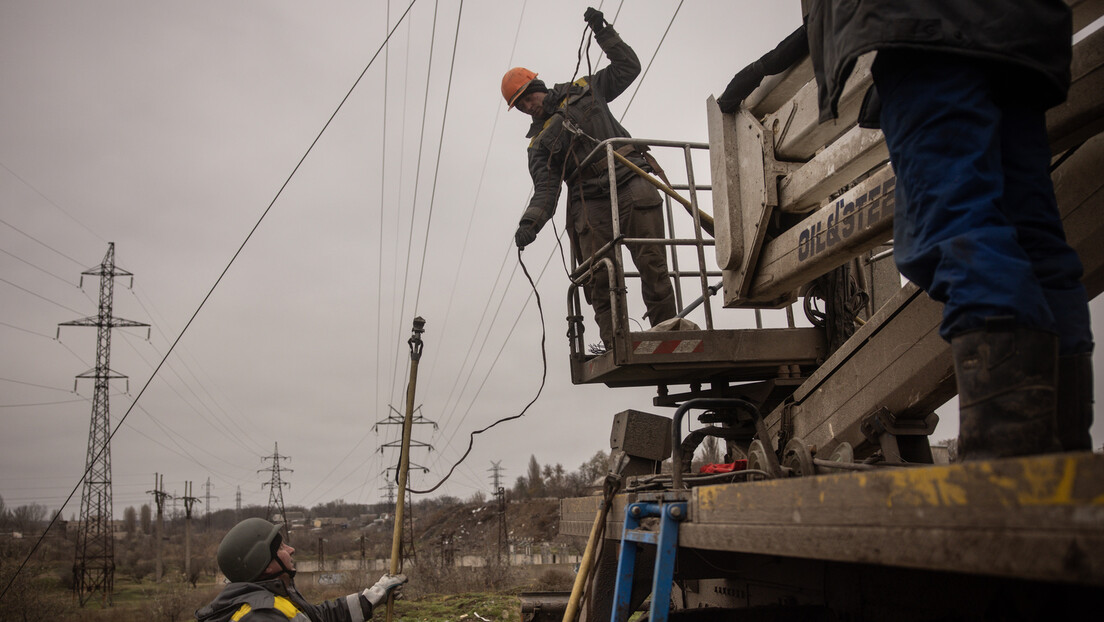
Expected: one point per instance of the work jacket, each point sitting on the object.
(274, 601)
(1032, 36)
(574, 120)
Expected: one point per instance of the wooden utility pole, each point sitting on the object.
(159, 496)
(415, 343)
(189, 501)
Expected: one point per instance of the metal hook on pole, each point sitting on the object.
(415, 343)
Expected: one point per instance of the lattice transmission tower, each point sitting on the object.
(94, 566)
(276, 488)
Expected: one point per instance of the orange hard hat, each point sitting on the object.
(514, 83)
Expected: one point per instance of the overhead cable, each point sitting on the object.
(544, 377)
(202, 303)
(645, 74)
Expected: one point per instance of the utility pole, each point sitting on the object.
(415, 343)
(276, 488)
(159, 496)
(189, 501)
(237, 505)
(503, 534)
(500, 504)
(207, 505)
(94, 565)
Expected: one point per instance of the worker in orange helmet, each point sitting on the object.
(569, 121)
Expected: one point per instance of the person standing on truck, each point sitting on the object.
(257, 561)
(964, 86)
(569, 121)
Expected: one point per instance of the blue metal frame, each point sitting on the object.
(666, 543)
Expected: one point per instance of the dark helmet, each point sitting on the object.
(248, 548)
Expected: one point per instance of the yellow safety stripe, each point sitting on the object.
(285, 607)
(280, 603)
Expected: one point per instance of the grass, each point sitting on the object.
(455, 607)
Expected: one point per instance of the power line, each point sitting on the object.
(532, 294)
(645, 74)
(25, 330)
(209, 293)
(50, 201)
(40, 269)
(31, 384)
(437, 166)
(39, 296)
(474, 208)
(233, 419)
(41, 242)
(417, 173)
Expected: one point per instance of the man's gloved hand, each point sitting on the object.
(388, 582)
(595, 19)
(525, 235)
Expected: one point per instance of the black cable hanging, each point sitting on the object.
(544, 377)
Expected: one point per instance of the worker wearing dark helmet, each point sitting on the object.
(569, 121)
(261, 571)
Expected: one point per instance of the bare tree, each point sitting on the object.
(28, 517)
(147, 518)
(596, 468)
(29, 597)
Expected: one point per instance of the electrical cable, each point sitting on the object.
(59, 208)
(544, 377)
(42, 243)
(44, 335)
(475, 204)
(498, 355)
(31, 384)
(417, 176)
(41, 296)
(654, 54)
(40, 269)
(437, 166)
(382, 187)
(202, 303)
(151, 312)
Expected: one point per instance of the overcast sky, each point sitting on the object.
(169, 127)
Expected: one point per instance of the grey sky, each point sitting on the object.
(168, 127)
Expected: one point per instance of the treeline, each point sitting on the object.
(553, 481)
(23, 518)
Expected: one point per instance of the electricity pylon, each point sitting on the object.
(94, 566)
(276, 488)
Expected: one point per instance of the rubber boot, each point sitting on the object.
(1006, 378)
(1075, 401)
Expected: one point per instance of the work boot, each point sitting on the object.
(1075, 401)
(1006, 378)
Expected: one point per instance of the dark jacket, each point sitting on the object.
(1031, 35)
(273, 601)
(556, 148)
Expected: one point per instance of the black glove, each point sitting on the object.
(595, 19)
(525, 235)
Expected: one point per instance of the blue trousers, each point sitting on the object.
(976, 223)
